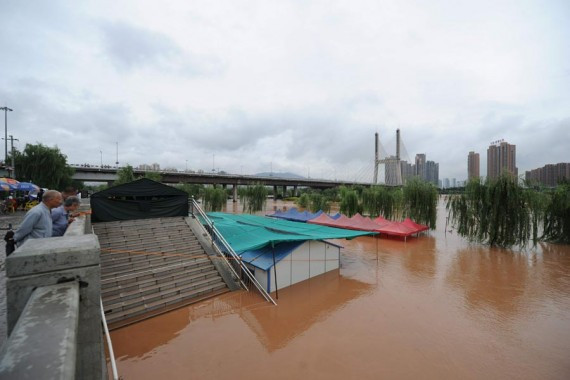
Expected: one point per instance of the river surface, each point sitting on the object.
(434, 307)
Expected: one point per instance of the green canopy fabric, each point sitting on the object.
(246, 232)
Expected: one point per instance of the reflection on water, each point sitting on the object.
(492, 278)
(432, 307)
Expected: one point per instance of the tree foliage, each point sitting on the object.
(304, 200)
(319, 201)
(155, 176)
(214, 198)
(125, 175)
(253, 197)
(349, 201)
(501, 212)
(557, 215)
(193, 190)
(380, 200)
(420, 202)
(43, 166)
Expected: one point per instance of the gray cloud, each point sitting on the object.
(130, 47)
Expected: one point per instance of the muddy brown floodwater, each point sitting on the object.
(433, 307)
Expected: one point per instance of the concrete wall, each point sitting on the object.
(73, 258)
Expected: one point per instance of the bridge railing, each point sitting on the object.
(224, 249)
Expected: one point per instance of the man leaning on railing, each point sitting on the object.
(37, 222)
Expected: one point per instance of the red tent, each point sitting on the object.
(381, 221)
(396, 229)
(418, 227)
(364, 223)
(323, 220)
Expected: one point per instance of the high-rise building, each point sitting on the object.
(550, 174)
(473, 165)
(501, 158)
(432, 172)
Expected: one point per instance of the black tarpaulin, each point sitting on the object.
(140, 199)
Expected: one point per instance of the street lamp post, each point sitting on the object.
(101, 159)
(6, 109)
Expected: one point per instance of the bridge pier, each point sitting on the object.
(274, 192)
(234, 193)
(295, 190)
(284, 191)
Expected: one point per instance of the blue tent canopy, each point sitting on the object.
(295, 215)
(263, 258)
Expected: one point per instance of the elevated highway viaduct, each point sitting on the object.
(109, 175)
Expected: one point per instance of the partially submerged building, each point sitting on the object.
(281, 253)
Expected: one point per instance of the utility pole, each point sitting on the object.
(6, 109)
(101, 151)
(117, 162)
(13, 163)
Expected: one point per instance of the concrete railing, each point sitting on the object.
(53, 295)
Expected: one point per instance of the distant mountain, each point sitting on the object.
(279, 175)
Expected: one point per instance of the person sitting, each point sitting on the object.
(63, 215)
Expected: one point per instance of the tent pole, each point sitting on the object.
(274, 270)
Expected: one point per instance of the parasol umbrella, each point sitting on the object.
(7, 186)
(27, 186)
(10, 181)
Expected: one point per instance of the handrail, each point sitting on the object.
(109, 343)
(215, 234)
(221, 254)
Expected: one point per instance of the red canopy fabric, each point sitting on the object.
(323, 220)
(418, 227)
(364, 223)
(381, 225)
(381, 221)
(396, 229)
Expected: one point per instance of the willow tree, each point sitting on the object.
(253, 197)
(349, 201)
(194, 190)
(319, 202)
(44, 166)
(214, 198)
(498, 212)
(557, 215)
(304, 200)
(420, 201)
(380, 200)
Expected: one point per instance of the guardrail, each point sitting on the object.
(233, 260)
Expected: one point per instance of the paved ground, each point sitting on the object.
(6, 221)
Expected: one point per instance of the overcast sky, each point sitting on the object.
(298, 86)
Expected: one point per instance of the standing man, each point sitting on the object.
(60, 216)
(37, 222)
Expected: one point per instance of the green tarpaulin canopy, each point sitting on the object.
(246, 232)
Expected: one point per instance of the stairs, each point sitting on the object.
(151, 266)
